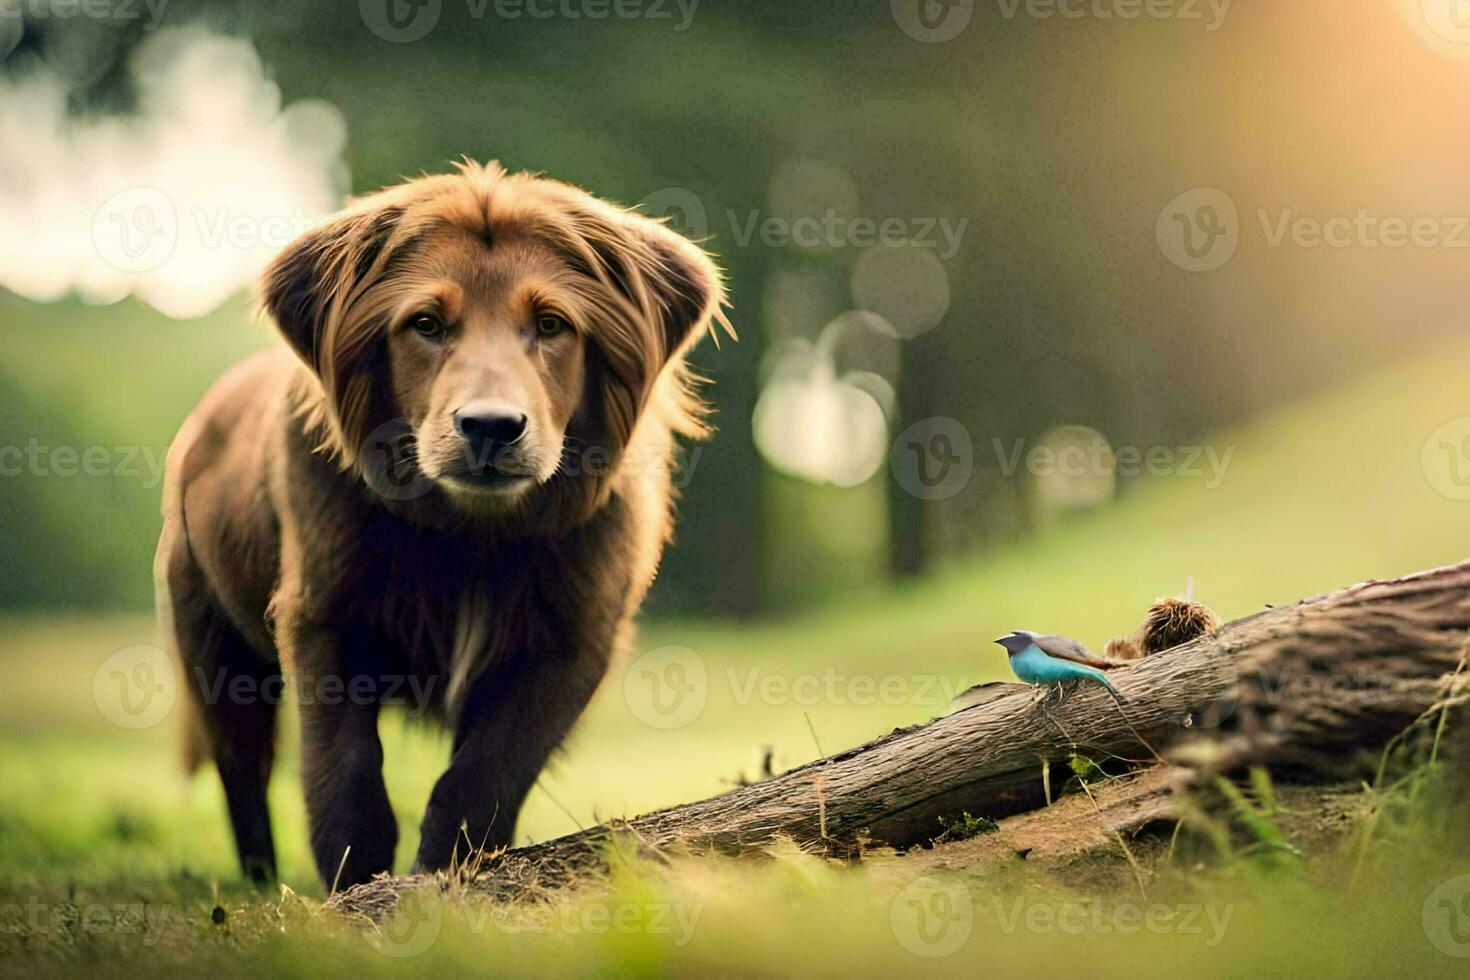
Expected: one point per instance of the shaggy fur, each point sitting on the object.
(330, 518)
(1169, 623)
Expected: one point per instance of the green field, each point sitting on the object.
(1318, 495)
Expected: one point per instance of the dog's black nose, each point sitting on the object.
(488, 427)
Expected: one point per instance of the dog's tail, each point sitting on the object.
(193, 740)
(173, 548)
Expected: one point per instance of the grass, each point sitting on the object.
(99, 820)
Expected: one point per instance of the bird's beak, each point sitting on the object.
(1002, 639)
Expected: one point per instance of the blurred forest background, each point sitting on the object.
(1216, 252)
(1024, 169)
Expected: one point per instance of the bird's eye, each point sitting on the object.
(428, 325)
(549, 325)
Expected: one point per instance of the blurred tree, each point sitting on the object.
(1053, 145)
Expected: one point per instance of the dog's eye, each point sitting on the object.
(548, 325)
(428, 325)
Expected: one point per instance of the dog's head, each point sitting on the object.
(503, 333)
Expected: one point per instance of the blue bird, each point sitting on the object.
(1046, 660)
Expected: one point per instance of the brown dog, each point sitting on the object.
(455, 483)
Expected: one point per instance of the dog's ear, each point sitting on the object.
(313, 277)
(686, 286)
(310, 290)
(671, 292)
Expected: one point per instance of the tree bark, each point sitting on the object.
(1314, 689)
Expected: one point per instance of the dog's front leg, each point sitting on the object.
(511, 722)
(353, 831)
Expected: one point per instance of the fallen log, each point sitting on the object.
(1315, 689)
(1121, 832)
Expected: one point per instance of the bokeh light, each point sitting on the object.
(1072, 467)
(904, 284)
(821, 417)
(182, 201)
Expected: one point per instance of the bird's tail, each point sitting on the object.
(1100, 677)
(1113, 691)
(1120, 701)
